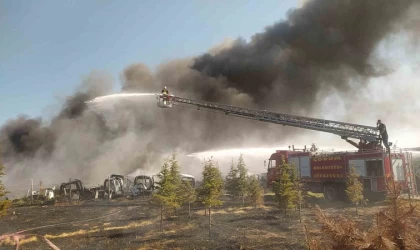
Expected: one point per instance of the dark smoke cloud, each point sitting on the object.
(26, 137)
(60, 148)
(138, 77)
(322, 48)
(75, 106)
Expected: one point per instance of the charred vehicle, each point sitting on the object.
(188, 178)
(76, 190)
(144, 184)
(147, 184)
(117, 185)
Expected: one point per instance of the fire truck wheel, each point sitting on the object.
(330, 193)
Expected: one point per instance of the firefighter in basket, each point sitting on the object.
(165, 96)
(165, 91)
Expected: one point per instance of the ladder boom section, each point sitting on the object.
(345, 130)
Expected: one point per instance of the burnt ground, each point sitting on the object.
(134, 224)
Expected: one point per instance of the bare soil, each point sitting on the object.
(134, 224)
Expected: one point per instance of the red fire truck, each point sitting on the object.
(326, 172)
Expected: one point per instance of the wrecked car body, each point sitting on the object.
(117, 185)
(188, 178)
(75, 190)
(144, 185)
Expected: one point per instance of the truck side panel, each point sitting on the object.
(328, 168)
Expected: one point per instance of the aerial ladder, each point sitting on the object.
(368, 135)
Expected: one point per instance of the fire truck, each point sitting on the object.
(325, 172)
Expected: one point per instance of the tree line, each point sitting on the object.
(239, 185)
(172, 192)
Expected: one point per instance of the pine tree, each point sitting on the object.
(187, 195)
(232, 181)
(175, 173)
(256, 192)
(2, 188)
(212, 187)
(300, 193)
(285, 187)
(354, 188)
(166, 195)
(298, 187)
(396, 226)
(4, 204)
(242, 179)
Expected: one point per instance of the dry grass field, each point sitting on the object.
(134, 224)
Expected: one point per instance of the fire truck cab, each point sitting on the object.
(326, 172)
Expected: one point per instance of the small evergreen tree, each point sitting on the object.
(298, 186)
(212, 187)
(187, 195)
(4, 204)
(354, 189)
(166, 195)
(256, 192)
(232, 181)
(285, 187)
(242, 179)
(2, 188)
(175, 173)
(300, 194)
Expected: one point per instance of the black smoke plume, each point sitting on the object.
(26, 137)
(321, 46)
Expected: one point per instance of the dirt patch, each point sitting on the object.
(254, 217)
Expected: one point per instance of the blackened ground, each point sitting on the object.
(134, 224)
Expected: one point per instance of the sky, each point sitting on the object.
(47, 47)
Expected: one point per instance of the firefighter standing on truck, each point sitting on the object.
(383, 133)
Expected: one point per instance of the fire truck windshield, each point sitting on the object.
(271, 164)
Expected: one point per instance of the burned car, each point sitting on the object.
(120, 185)
(76, 190)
